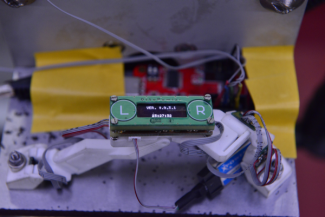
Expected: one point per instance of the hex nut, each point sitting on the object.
(210, 120)
(207, 97)
(114, 98)
(114, 120)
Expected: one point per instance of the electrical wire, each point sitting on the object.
(8, 70)
(255, 176)
(229, 82)
(226, 95)
(252, 168)
(135, 142)
(191, 147)
(86, 129)
(214, 55)
(48, 174)
(219, 98)
(158, 59)
(242, 75)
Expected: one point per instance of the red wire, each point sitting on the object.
(247, 112)
(83, 131)
(275, 170)
(276, 161)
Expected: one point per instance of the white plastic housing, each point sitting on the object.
(269, 189)
(90, 153)
(235, 135)
(247, 160)
(27, 177)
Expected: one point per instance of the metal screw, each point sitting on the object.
(207, 97)
(281, 6)
(114, 120)
(210, 120)
(18, 3)
(113, 98)
(16, 161)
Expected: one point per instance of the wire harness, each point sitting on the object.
(267, 156)
(47, 173)
(257, 160)
(191, 147)
(87, 129)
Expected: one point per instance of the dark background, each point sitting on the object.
(310, 68)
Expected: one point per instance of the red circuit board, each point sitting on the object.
(189, 81)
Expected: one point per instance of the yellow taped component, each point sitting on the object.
(74, 96)
(272, 84)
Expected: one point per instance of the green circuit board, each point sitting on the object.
(160, 115)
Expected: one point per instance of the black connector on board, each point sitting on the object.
(209, 186)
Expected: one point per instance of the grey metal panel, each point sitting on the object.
(5, 56)
(5, 61)
(153, 25)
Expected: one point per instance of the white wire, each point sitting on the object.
(86, 127)
(135, 183)
(216, 55)
(184, 55)
(242, 75)
(155, 57)
(113, 35)
(5, 69)
(191, 147)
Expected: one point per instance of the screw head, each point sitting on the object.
(210, 120)
(113, 98)
(14, 156)
(16, 161)
(18, 3)
(207, 97)
(281, 6)
(114, 120)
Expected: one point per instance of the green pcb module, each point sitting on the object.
(161, 115)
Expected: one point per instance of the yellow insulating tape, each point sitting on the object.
(272, 84)
(69, 97)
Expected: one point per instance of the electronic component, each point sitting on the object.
(172, 82)
(161, 115)
(211, 185)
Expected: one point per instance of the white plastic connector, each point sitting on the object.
(134, 137)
